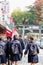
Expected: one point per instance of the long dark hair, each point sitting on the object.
(14, 37)
(9, 38)
(31, 38)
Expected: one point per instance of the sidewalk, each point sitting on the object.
(24, 60)
(29, 63)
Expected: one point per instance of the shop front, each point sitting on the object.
(2, 30)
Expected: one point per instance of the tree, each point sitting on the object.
(38, 6)
(17, 16)
(24, 18)
(33, 16)
(21, 18)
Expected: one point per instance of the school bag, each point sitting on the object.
(33, 49)
(2, 50)
(15, 48)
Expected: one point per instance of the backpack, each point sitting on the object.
(2, 51)
(33, 49)
(14, 47)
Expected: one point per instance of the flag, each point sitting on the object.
(8, 29)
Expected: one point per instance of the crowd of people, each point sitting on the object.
(12, 50)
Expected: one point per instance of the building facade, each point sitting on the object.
(4, 17)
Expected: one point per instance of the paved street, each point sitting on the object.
(24, 60)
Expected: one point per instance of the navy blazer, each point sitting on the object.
(28, 47)
(31, 58)
(19, 46)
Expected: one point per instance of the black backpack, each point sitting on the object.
(33, 49)
(15, 48)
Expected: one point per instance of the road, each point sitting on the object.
(24, 59)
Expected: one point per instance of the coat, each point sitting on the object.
(16, 57)
(31, 58)
(3, 58)
(22, 44)
(8, 48)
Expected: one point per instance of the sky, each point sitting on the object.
(19, 4)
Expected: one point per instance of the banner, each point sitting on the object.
(8, 33)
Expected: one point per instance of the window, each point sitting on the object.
(35, 31)
(41, 31)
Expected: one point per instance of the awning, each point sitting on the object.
(2, 29)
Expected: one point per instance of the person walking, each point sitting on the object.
(8, 42)
(32, 50)
(16, 50)
(22, 44)
(2, 52)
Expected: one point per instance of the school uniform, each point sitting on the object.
(3, 57)
(16, 57)
(8, 49)
(31, 58)
(22, 45)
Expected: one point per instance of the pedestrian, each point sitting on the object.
(2, 52)
(32, 50)
(26, 40)
(22, 44)
(16, 50)
(8, 42)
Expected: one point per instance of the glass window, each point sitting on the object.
(35, 31)
(41, 31)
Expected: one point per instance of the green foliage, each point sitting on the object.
(20, 31)
(17, 16)
(21, 17)
(29, 35)
(24, 18)
(41, 24)
(33, 15)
